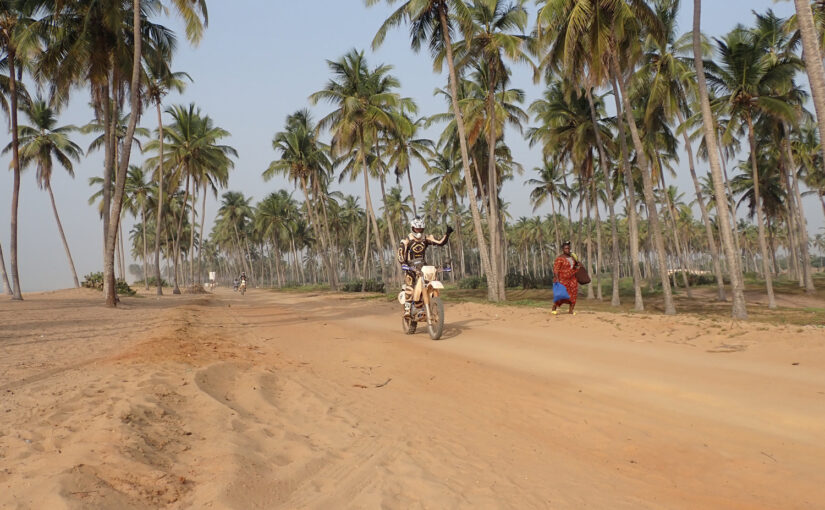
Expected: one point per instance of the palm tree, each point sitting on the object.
(812, 55)
(138, 193)
(739, 309)
(196, 156)
(364, 103)
(581, 36)
(747, 79)
(93, 41)
(41, 144)
(195, 17)
(234, 215)
(548, 187)
(6, 286)
(402, 148)
(273, 217)
(304, 161)
(671, 82)
(431, 23)
(160, 80)
(567, 133)
(488, 39)
(15, 44)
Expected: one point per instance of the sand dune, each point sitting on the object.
(278, 400)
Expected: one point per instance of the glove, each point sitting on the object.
(450, 230)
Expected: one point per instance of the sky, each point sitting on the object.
(256, 65)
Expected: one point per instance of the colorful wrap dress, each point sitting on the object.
(565, 269)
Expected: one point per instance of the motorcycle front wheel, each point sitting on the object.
(436, 325)
(408, 325)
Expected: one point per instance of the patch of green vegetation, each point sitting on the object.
(717, 313)
(95, 281)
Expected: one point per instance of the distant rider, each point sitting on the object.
(413, 248)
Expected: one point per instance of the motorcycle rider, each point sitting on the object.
(413, 248)
(242, 278)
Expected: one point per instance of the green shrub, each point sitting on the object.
(153, 282)
(528, 281)
(472, 282)
(95, 281)
(369, 286)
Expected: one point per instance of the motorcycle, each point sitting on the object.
(242, 287)
(427, 304)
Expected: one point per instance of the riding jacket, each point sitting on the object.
(413, 249)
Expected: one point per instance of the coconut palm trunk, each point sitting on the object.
(62, 235)
(802, 221)
(15, 162)
(412, 191)
(6, 287)
(647, 185)
(176, 246)
(599, 249)
(324, 252)
(738, 310)
(760, 221)
(555, 222)
(240, 249)
(366, 256)
(677, 244)
(200, 244)
(586, 203)
(393, 242)
(332, 254)
(122, 259)
(159, 217)
(484, 254)
(812, 54)
(145, 251)
(108, 164)
(370, 210)
(633, 225)
(120, 181)
(611, 210)
(795, 270)
(496, 256)
(191, 254)
(714, 251)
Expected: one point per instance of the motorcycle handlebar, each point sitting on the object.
(406, 267)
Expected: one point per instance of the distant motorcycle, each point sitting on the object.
(242, 287)
(427, 304)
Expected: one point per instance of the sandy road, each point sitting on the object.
(318, 401)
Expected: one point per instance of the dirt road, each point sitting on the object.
(278, 400)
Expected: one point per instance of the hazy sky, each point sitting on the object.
(258, 62)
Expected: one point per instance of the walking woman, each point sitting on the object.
(564, 272)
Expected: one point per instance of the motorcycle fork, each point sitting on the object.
(425, 295)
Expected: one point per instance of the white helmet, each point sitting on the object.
(417, 226)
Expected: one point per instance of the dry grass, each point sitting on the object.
(802, 309)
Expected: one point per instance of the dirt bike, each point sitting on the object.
(427, 304)
(242, 287)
